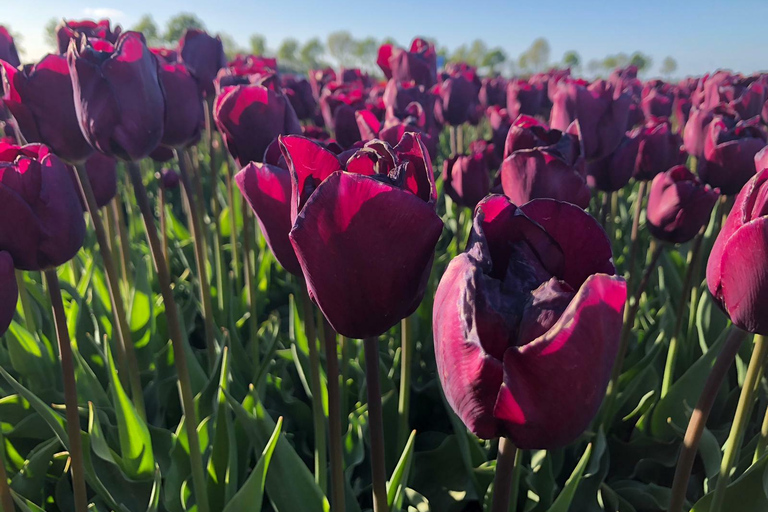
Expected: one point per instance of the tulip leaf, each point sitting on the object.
(30, 479)
(29, 355)
(563, 501)
(399, 479)
(749, 490)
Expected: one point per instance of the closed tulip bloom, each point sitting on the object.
(694, 133)
(40, 98)
(418, 65)
(185, 117)
(602, 115)
(119, 101)
(493, 92)
(250, 117)
(660, 149)
(169, 178)
(203, 55)
(165, 55)
(102, 174)
(267, 188)
(69, 30)
(657, 102)
(8, 51)
(500, 123)
(679, 205)
(299, 93)
(365, 232)
(527, 323)
(613, 172)
(9, 291)
(729, 152)
(43, 225)
(466, 178)
(457, 100)
(399, 97)
(338, 103)
(737, 270)
(524, 98)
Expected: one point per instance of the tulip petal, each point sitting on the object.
(534, 174)
(420, 179)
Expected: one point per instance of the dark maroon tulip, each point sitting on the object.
(393, 129)
(119, 101)
(338, 103)
(612, 173)
(165, 55)
(69, 30)
(737, 270)
(500, 123)
(457, 100)
(524, 98)
(40, 98)
(319, 78)
(493, 92)
(162, 154)
(527, 132)
(660, 149)
(102, 174)
(602, 115)
(9, 291)
(657, 102)
(729, 152)
(267, 189)
(43, 224)
(625, 80)
(365, 238)
(488, 149)
(527, 323)
(681, 107)
(299, 92)
(466, 179)
(169, 178)
(418, 65)
(185, 117)
(694, 133)
(761, 159)
(679, 205)
(8, 51)
(399, 98)
(250, 117)
(203, 55)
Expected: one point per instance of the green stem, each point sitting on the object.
(315, 387)
(376, 425)
(70, 392)
(334, 419)
(6, 500)
(460, 139)
(177, 339)
(635, 234)
(406, 367)
(232, 225)
(452, 140)
(125, 244)
(250, 281)
(740, 419)
(346, 345)
(698, 421)
(762, 442)
(164, 225)
(26, 302)
(503, 477)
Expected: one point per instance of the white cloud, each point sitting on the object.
(103, 12)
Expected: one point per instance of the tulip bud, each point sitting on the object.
(656, 103)
(69, 30)
(736, 270)
(493, 92)
(203, 55)
(418, 65)
(457, 100)
(185, 117)
(43, 224)
(527, 323)
(659, 150)
(169, 178)
(9, 292)
(8, 51)
(612, 172)
(466, 179)
(299, 92)
(524, 98)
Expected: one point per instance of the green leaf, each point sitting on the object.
(250, 495)
(154, 498)
(563, 501)
(28, 355)
(749, 490)
(399, 479)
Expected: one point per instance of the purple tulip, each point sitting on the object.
(69, 30)
(466, 178)
(737, 270)
(500, 123)
(679, 205)
(493, 92)
(418, 65)
(40, 98)
(169, 178)
(457, 100)
(299, 93)
(102, 174)
(9, 291)
(399, 98)
(660, 149)
(657, 100)
(613, 172)
(319, 78)
(185, 117)
(43, 224)
(527, 323)
(166, 55)
(203, 55)
(364, 238)
(119, 101)
(8, 51)
(524, 98)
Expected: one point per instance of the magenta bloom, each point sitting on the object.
(493, 92)
(338, 103)
(527, 323)
(185, 117)
(466, 178)
(737, 270)
(613, 172)
(524, 97)
(365, 232)
(69, 30)
(457, 100)
(418, 65)
(660, 149)
(203, 55)
(43, 224)
(679, 205)
(299, 93)
(657, 100)
(8, 51)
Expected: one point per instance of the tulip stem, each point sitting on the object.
(6, 500)
(315, 387)
(740, 419)
(762, 441)
(70, 392)
(604, 208)
(164, 225)
(460, 139)
(406, 364)
(26, 303)
(122, 232)
(503, 479)
(200, 259)
(250, 281)
(177, 339)
(376, 425)
(334, 419)
(452, 140)
(635, 234)
(233, 224)
(126, 350)
(674, 340)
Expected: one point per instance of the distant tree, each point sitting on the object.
(49, 33)
(341, 46)
(668, 66)
(460, 54)
(231, 47)
(258, 44)
(287, 52)
(148, 27)
(494, 58)
(176, 26)
(536, 57)
(594, 66)
(365, 52)
(476, 53)
(642, 61)
(619, 60)
(390, 40)
(572, 60)
(310, 54)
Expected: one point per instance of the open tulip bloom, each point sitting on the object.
(364, 230)
(527, 322)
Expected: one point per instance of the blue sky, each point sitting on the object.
(702, 35)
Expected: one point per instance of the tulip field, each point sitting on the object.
(227, 286)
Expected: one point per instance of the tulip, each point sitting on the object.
(524, 98)
(338, 105)
(679, 205)
(466, 179)
(695, 129)
(659, 149)
(736, 270)
(543, 163)
(169, 178)
(267, 188)
(500, 123)
(119, 101)
(43, 224)
(364, 233)
(493, 92)
(203, 55)
(527, 323)
(602, 115)
(8, 51)
(102, 173)
(185, 117)
(299, 93)
(612, 172)
(69, 30)
(457, 100)
(399, 98)
(418, 65)
(40, 98)
(319, 78)
(165, 55)
(9, 291)
(250, 117)
(657, 101)
(729, 152)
